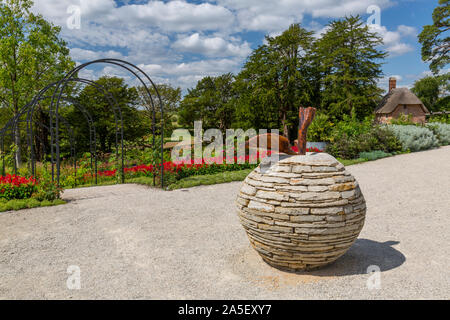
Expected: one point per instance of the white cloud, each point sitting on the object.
(399, 49)
(426, 73)
(178, 15)
(157, 34)
(79, 54)
(188, 81)
(87, 74)
(340, 8)
(394, 40)
(211, 46)
(320, 32)
(266, 22)
(168, 16)
(132, 43)
(186, 74)
(151, 68)
(407, 30)
(143, 33)
(204, 67)
(269, 15)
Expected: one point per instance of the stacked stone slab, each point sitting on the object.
(303, 212)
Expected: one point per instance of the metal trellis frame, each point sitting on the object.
(55, 118)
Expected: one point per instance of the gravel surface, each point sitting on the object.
(130, 241)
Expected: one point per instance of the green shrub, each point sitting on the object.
(441, 131)
(24, 172)
(374, 155)
(415, 138)
(48, 190)
(320, 129)
(185, 172)
(403, 120)
(443, 118)
(374, 138)
(351, 127)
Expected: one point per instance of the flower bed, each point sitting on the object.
(109, 171)
(180, 170)
(183, 169)
(312, 149)
(16, 187)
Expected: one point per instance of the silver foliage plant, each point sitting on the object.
(442, 132)
(415, 138)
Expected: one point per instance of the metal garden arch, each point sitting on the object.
(57, 97)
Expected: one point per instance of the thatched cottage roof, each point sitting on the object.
(397, 96)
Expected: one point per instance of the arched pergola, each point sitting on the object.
(57, 97)
(131, 68)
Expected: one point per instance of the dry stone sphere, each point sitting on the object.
(302, 212)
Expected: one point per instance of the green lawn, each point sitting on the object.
(199, 180)
(147, 181)
(20, 204)
(224, 177)
(87, 185)
(209, 179)
(217, 178)
(350, 162)
(188, 182)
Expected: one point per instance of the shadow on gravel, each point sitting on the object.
(361, 255)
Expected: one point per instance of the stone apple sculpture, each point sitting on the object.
(304, 211)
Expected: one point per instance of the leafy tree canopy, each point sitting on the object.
(435, 38)
(32, 55)
(105, 115)
(210, 102)
(170, 98)
(433, 91)
(350, 63)
(275, 81)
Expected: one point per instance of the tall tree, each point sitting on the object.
(433, 91)
(31, 55)
(435, 38)
(350, 63)
(427, 90)
(103, 114)
(170, 98)
(256, 105)
(210, 102)
(276, 80)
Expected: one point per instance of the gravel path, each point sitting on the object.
(130, 241)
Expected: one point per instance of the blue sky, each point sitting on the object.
(179, 42)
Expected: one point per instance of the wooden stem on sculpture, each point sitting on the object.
(306, 116)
